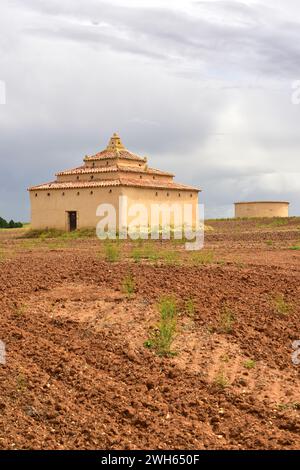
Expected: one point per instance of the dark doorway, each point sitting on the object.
(72, 221)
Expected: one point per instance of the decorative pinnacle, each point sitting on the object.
(115, 143)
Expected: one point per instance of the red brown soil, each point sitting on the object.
(79, 377)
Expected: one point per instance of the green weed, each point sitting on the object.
(227, 320)
(249, 364)
(162, 337)
(128, 285)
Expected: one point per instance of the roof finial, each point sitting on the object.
(115, 143)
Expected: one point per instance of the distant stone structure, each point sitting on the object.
(70, 202)
(261, 209)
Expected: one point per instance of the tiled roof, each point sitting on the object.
(156, 184)
(116, 150)
(75, 184)
(108, 154)
(118, 182)
(110, 169)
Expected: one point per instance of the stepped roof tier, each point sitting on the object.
(114, 166)
(81, 170)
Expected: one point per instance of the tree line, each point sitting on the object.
(10, 224)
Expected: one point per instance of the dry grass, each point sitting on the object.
(282, 307)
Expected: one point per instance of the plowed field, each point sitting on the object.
(77, 372)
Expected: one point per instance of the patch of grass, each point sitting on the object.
(137, 254)
(282, 307)
(151, 253)
(190, 308)
(44, 243)
(295, 247)
(221, 262)
(20, 310)
(128, 285)
(32, 233)
(225, 358)
(112, 252)
(21, 383)
(278, 222)
(269, 242)
(162, 337)
(227, 320)
(179, 241)
(170, 257)
(221, 380)
(249, 364)
(202, 257)
(56, 244)
(54, 233)
(147, 251)
(286, 406)
(31, 243)
(167, 308)
(274, 222)
(240, 264)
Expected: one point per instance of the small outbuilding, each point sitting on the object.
(261, 209)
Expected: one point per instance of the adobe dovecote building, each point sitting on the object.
(70, 202)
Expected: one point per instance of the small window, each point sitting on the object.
(92, 177)
(63, 194)
(191, 195)
(141, 177)
(156, 194)
(78, 193)
(110, 190)
(93, 164)
(35, 194)
(154, 177)
(106, 163)
(168, 194)
(48, 194)
(179, 195)
(78, 177)
(92, 192)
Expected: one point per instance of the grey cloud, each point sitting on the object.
(264, 44)
(175, 85)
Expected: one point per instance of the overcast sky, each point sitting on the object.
(203, 88)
